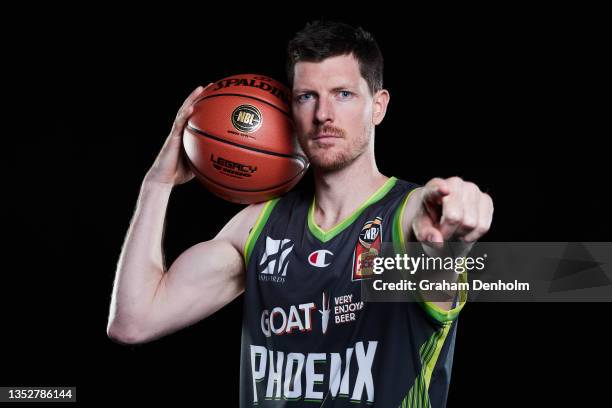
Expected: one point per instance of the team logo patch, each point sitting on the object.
(320, 258)
(274, 261)
(367, 248)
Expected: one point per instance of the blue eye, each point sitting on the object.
(346, 94)
(304, 97)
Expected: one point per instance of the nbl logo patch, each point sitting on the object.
(247, 118)
(367, 248)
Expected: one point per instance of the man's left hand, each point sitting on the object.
(452, 210)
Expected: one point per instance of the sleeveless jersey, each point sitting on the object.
(308, 340)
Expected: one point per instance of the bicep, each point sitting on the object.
(204, 278)
(201, 281)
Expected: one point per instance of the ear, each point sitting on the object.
(381, 100)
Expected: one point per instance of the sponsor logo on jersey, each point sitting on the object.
(275, 260)
(320, 258)
(324, 313)
(279, 322)
(367, 248)
(279, 375)
(345, 309)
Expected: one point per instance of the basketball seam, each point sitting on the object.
(195, 170)
(202, 133)
(246, 96)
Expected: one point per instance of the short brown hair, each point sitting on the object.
(319, 40)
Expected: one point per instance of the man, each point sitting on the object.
(308, 339)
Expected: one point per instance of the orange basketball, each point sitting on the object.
(239, 140)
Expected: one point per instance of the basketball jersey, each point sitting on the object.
(308, 340)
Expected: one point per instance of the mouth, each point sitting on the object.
(325, 136)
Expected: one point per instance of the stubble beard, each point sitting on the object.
(329, 158)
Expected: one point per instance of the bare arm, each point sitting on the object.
(148, 301)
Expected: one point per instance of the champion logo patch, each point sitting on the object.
(320, 258)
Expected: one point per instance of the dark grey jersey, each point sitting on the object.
(309, 340)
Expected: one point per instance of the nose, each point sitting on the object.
(324, 111)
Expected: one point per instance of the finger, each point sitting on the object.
(452, 214)
(187, 107)
(435, 190)
(485, 217)
(183, 115)
(471, 211)
(194, 96)
(199, 97)
(426, 231)
(186, 111)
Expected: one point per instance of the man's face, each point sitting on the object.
(332, 111)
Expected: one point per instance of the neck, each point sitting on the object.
(339, 193)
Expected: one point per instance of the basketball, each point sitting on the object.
(239, 141)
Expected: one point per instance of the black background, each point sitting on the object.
(510, 99)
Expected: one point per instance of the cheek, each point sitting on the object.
(358, 119)
(301, 118)
(356, 112)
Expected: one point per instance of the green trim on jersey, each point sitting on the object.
(446, 316)
(418, 396)
(399, 244)
(257, 227)
(325, 236)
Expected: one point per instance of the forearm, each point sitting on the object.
(141, 264)
(441, 298)
(447, 217)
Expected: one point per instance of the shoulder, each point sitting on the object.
(405, 186)
(236, 230)
(245, 223)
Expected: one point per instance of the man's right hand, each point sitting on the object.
(170, 166)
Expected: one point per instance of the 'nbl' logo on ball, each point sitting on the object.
(246, 118)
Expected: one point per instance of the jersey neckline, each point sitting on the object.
(325, 236)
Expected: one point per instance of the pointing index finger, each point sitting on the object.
(435, 190)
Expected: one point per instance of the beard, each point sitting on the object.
(337, 155)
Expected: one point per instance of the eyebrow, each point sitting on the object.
(336, 89)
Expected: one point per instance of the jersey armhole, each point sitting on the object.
(399, 244)
(255, 231)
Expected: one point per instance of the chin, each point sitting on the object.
(330, 161)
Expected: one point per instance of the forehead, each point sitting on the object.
(333, 71)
